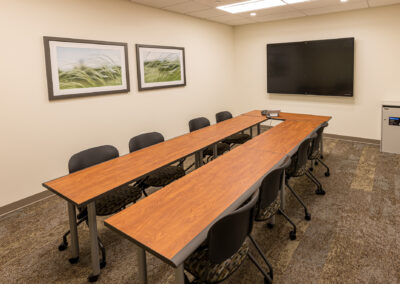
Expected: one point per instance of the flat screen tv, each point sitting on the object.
(320, 67)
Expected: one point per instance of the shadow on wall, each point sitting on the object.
(312, 98)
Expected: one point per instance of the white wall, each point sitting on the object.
(38, 136)
(377, 62)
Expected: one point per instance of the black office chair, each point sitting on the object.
(269, 202)
(238, 138)
(201, 122)
(316, 150)
(297, 168)
(111, 202)
(160, 177)
(226, 247)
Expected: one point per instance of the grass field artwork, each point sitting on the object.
(77, 68)
(160, 66)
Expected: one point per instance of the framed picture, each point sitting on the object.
(160, 66)
(79, 68)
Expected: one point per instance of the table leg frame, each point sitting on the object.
(179, 275)
(215, 150)
(74, 233)
(94, 243)
(141, 253)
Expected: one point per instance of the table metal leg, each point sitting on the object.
(251, 132)
(94, 243)
(196, 160)
(142, 265)
(74, 233)
(215, 150)
(179, 275)
(258, 129)
(283, 202)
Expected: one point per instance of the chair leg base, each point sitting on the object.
(267, 281)
(102, 264)
(63, 246)
(270, 225)
(320, 191)
(93, 278)
(307, 216)
(73, 260)
(292, 235)
(327, 174)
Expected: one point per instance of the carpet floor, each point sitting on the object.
(353, 236)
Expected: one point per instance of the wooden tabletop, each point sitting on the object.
(91, 183)
(291, 116)
(284, 137)
(166, 222)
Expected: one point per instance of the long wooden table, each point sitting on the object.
(174, 221)
(86, 186)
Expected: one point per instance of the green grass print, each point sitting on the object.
(162, 71)
(88, 77)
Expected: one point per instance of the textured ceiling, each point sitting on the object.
(206, 9)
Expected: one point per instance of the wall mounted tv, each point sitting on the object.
(320, 67)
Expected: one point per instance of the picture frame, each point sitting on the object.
(81, 68)
(160, 67)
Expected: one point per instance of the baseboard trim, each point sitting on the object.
(354, 139)
(6, 209)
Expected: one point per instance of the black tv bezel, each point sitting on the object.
(307, 93)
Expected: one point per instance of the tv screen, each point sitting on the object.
(320, 67)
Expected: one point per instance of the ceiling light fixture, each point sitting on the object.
(251, 5)
(294, 1)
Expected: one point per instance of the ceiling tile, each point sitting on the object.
(206, 14)
(275, 17)
(374, 3)
(206, 9)
(159, 3)
(336, 8)
(187, 7)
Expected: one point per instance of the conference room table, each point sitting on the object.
(84, 187)
(174, 221)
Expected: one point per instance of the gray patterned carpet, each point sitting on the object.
(353, 237)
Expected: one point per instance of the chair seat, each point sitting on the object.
(200, 267)
(221, 148)
(238, 138)
(164, 176)
(113, 201)
(264, 214)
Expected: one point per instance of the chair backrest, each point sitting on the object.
(223, 115)
(272, 183)
(316, 143)
(91, 157)
(303, 152)
(227, 235)
(198, 123)
(145, 140)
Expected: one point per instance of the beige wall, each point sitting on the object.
(377, 63)
(38, 136)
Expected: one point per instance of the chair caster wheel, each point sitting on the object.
(311, 169)
(93, 278)
(316, 163)
(322, 157)
(327, 174)
(267, 281)
(270, 225)
(320, 191)
(73, 260)
(307, 217)
(292, 235)
(102, 264)
(63, 246)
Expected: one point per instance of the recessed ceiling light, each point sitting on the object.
(343, 1)
(251, 5)
(253, 14)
